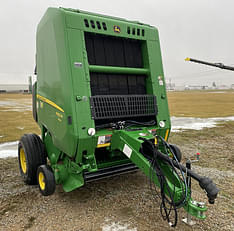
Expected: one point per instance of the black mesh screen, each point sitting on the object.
(113, 84)
(113, 51)
(124, 106)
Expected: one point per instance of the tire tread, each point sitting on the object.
(35, 156)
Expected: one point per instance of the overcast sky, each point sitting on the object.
(202, 29)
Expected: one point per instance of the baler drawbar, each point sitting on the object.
(100, 102)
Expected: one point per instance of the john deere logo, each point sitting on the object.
(117, 29)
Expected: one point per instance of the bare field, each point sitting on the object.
(203, 104)
(123, 202)
(16, 117)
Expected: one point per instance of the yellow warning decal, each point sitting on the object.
(103, 145)
(49, 102)
(104, 141)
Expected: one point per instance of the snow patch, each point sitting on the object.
(8, 153)
(9, 149)
(20, 128)
(183, 123)
(117, 226)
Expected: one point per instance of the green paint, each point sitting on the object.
(118, 70)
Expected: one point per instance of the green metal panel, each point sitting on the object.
(118, 70)
(75, 20)
(157, 82)
(55, 82)
(81, 89)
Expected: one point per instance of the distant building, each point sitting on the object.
(179, 88)
(170, 86)
(223, 87)
(13, 88)
(196, 87)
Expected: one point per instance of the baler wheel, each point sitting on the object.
(46, 180)
(31, 154)
(176, 151)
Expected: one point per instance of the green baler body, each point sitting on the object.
(94, 70)
(63, 77)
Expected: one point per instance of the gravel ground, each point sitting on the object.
(119, 203)
(123, 202)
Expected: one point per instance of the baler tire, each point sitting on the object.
(176, 151)
(46, 180)
(31, 154)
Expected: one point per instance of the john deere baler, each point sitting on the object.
(100, 101)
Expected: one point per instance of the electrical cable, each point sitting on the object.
(166, 200)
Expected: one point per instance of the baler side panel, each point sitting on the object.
(81, 90)
(156, 82)
(54, 89)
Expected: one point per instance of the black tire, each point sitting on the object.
(176, 151)
(46, 180)
(31, 154)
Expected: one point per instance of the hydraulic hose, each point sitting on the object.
(205, 182)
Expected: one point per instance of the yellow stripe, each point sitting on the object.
(103, 145)
(167, 133)
(49, 102)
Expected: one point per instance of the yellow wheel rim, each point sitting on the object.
(41, 180)
(23, 163)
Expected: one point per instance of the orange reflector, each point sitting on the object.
(155, 141)
(167, 133)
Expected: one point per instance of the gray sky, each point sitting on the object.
(201, 29)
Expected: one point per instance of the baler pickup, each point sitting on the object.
(110, 171)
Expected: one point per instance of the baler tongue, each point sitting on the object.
(141, 148)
